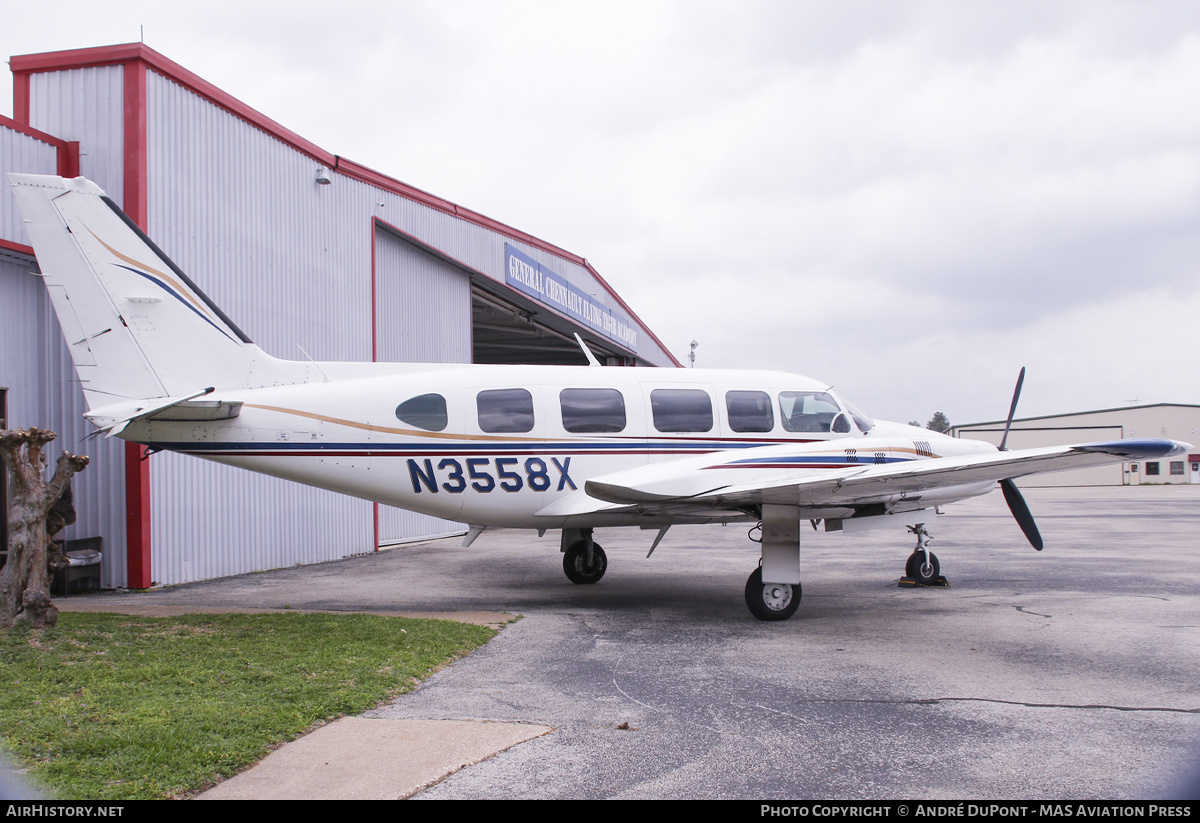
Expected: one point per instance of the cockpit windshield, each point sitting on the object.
(817, 411)
(864, 423)
(811, 411)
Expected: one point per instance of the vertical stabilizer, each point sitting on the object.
(136, 326)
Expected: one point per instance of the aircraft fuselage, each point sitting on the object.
(496, 445)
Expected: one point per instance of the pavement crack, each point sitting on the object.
(933, 701)
(1109, 706)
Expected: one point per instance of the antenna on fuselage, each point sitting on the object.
(315, 363)
(591, 358)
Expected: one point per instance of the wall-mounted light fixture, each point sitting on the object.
(323, 177)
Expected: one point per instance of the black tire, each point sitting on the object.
(915, 569)
(771, 601)
(575, 563)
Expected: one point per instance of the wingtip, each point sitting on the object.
(1138, 449)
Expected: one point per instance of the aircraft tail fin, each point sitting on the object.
(136, 326)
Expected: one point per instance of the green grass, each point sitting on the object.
(107, 706)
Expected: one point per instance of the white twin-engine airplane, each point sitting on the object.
(545, 447)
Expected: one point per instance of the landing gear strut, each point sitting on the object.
(778, 597)
(922, 565)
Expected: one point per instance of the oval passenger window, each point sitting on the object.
(426, 411)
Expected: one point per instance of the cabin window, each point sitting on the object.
(505, 410)
(428, 411)
(749, 411)
(592, 410)
(809, 411)
(681, 410)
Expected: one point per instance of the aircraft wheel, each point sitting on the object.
(916, 569)
(771, 601)
(575, 563)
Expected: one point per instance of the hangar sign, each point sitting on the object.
(531, 277)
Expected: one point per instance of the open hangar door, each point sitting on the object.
(422, 295)
(510, 329)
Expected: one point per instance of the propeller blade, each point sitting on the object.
(1012, 410)
(1016, 504)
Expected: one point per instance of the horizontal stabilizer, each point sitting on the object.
(115, 417)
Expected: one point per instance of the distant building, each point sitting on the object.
(310, 253)
(1174, 421)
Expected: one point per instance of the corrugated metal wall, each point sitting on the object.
(22, 348)
(424, 304)
(28, 155)
(36, 369)
(85, 105)
(290, 262)
(423, 316)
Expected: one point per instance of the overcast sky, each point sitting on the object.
(910, 200)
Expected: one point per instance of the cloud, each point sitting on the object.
(909, 199)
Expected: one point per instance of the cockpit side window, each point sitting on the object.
(505, 410)
(426, 411)
(681, 410)
(809, 411)
(749, 411)
(592, 410)
(864, 423)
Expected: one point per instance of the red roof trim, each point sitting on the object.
(76, 58)
(25, 64)
(67, 164)
(49, 139)
(139, 52)
(9, 245)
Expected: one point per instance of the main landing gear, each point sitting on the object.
(771, 601)
(773, 589)
(583, 560)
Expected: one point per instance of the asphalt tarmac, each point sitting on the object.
(1068, 673)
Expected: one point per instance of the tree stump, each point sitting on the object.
(25, 579)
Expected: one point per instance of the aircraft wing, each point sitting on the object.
(736, 481)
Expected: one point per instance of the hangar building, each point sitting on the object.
(311, 254)
(1173, 421)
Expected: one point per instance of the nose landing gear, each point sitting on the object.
(922, 567)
